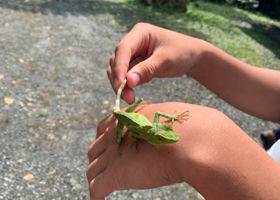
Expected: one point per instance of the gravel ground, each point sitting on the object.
(54, 90)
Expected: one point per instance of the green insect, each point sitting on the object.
(140, 127)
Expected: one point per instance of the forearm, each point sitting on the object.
(251, 89)
(213, 155)
(248, 174)
(226, 163)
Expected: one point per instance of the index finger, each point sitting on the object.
(135, 43)
(103, 124)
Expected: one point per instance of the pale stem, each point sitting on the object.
(117, 104)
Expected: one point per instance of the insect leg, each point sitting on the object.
(135, 137)
(182, 116)
(132, 107)
(119, 132)
(157, 114)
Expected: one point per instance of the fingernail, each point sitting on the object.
(136, 79)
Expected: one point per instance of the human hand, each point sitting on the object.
(147, 52)
(208, 156)
(130, 165)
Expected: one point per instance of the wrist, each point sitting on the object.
(201, 52)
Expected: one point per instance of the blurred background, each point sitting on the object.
(54, 87)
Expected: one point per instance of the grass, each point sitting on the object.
(250, 37)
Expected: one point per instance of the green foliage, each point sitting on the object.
(247, 4)
(218, 1)
(268, 7)
(252, 38)
(244, 4)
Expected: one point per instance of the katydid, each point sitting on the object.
(140, 127)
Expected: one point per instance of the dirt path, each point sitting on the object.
(54, 90)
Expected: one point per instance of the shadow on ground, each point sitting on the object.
(127, 16)
(124, 14)
(264, 33)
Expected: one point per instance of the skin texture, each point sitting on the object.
(144, 51)
(147, 52)
(213, 154)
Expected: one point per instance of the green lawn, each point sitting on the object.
(252, 38)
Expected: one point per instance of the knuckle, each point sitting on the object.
(104, 124)
(88, 172)
(94, 186)
(109, 71)
(147, 73)
(100, 126)
(112, 59)
(140, 25)
(118, 47)
(91, 184)
(89, 151)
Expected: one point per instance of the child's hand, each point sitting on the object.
(212, 154)
(148, 51)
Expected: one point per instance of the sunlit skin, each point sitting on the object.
(213, 154)
(148, 51)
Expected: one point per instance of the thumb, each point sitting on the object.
(142, 72)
